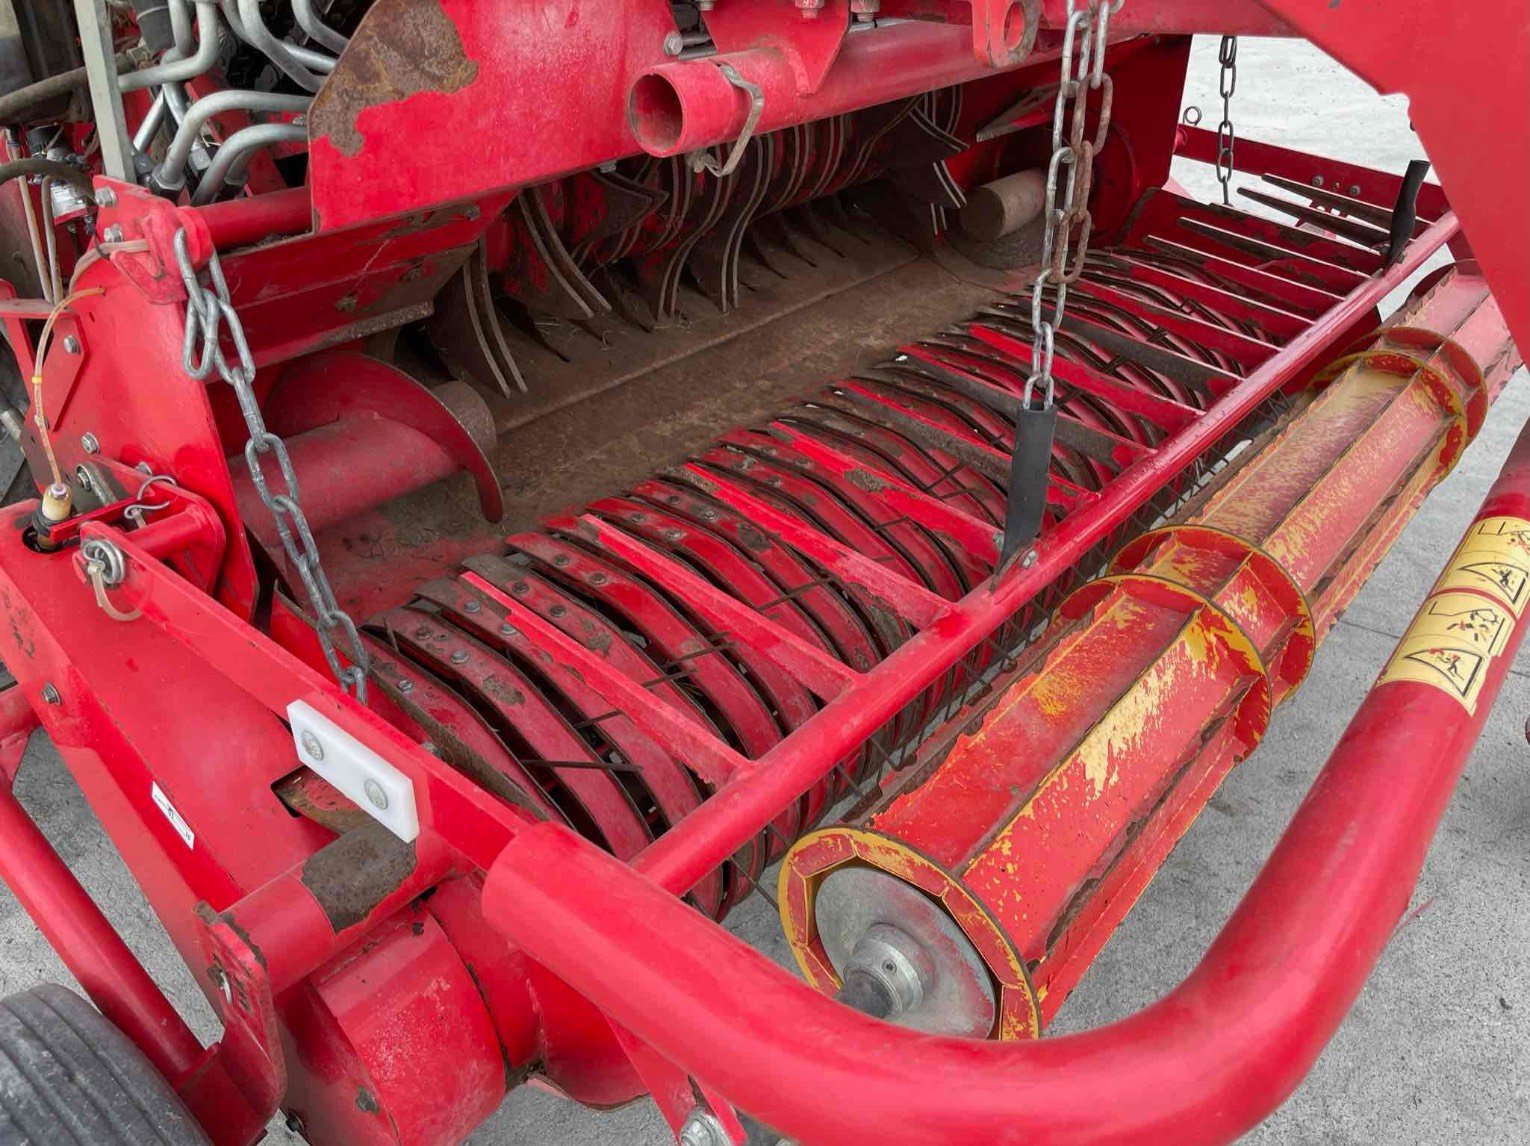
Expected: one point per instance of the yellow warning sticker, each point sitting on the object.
(1494, 558)
(1466, 621)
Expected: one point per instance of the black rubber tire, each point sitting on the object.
(68, 1077)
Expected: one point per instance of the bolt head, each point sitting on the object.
(674, 44)
(1028, 559)
(311, 746)
(375, 794)
(703, 1128)
(50, 694)
(71, 344)
(90, 443)
(105, 197)
(1354, 190)
(406, 686)
(459, 657)
(112, 234)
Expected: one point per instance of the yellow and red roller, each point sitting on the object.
(1033, 825)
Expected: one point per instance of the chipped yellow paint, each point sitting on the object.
(814, 856)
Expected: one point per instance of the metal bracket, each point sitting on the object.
(704, 160)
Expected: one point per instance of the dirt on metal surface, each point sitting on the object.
(584, 434)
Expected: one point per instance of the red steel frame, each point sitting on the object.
(1201, 1066)
(1315, 921)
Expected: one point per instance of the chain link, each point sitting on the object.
(209, 314)
(1065, 242)
(1227, 83)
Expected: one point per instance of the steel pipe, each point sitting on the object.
(278, 52)
(179, 70)
(1205, 1064)
(685, 105)
(171, 172)
(243, 222)
(88, 944)
(317, 29)
(228, 166)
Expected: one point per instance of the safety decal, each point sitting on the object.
(1466, 621)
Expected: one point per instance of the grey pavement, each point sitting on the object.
(1437, 1050)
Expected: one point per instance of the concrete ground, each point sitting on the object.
(1438, 1047)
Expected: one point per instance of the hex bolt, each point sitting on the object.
(71, 344)
(375, 794)
(1317, 180)
(471, 606)
(703, 1128)
(311, 746)
(112, 234)
(82, 479)
(406, 686)
(507, 630)
(106, 197)
(1029, 559)
(459, 657)
(90, 443)
(674, 44)
(50, 694)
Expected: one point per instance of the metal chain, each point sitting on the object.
(1065, 241)
(208, 314)
(1227, 83)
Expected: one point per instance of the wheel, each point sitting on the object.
(68, 1076)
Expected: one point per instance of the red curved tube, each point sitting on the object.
(1203, 1065)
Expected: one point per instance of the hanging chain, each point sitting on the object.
(208, 314)
(1065, 242)
(1227, 83)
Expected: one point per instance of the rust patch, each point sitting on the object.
(866, 480)
(351, 876)
(405, 47)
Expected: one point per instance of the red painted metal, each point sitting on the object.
(693, 671)
(1264, 1001)
(91, 948)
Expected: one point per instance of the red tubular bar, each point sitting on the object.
(88, 944)
(247, 220)
(755, 795)
(1201, 1066)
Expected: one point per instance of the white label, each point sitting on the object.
(376, 786)
(162, 802)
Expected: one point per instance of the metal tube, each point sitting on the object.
(171, 172)
(241, 222)
(233, 157)
(179, 70)
(317, 29)
(89, 946)
(755, 795)
(1201, 1066)
(279, 53)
